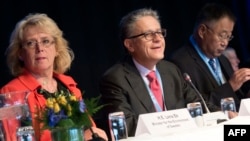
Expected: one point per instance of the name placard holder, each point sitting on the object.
(165, 122)
(244, 107)
(211, 119)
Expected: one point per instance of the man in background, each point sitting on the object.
(202, 58)
(231, 55)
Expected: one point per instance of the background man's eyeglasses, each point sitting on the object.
(221, 36)
(151, 35)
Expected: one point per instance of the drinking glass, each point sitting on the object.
(117, 125)
(15, 116)
(1, 132)
(227, 104)
(195, 110)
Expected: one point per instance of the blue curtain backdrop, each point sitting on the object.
(91, 27)
(242, 11)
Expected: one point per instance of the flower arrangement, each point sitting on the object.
(64, 110)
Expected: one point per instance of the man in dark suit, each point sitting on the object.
(125, 86)
(212, 33)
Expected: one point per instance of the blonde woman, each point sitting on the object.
(38, 56)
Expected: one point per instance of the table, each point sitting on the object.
(207, 133)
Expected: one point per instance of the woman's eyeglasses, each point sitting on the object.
(33, 44)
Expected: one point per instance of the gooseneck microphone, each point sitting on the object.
(188, 79)
(95, 136)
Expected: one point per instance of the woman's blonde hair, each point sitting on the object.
(65, 55)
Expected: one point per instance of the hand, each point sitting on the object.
(239, 77)
(101, 133)
(232, 114)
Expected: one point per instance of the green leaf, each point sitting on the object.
(93, 105)
(65, 123)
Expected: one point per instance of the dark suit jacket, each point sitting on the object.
(123, 87)
(189, 61)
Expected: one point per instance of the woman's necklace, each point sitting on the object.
(48, 84)
(50, 87)
(46, 94)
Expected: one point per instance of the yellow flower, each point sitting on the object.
(72, 98)
(56, 107)
(62, 100)
(69, 110)
(50, 102)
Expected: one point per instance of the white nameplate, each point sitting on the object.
(165, 122)
(244, 107)
(211, 119)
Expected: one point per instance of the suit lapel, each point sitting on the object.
(225, 67)
(167, 87)
(202, 64)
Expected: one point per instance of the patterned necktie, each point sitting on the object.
(213, 65)
(155, 88)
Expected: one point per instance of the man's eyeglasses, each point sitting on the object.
(221, 36)
(151, 35)
(33, 44)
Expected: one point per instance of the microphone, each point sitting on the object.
(188, 79)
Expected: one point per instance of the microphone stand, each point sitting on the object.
(187, 78)
(95, 136)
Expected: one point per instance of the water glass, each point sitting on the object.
(1, 132)
(117, 125)
(68, 134)
(228, 104)
(195, 110)
(16, 117)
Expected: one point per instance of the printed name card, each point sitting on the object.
(165, 122)
(244, 107)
